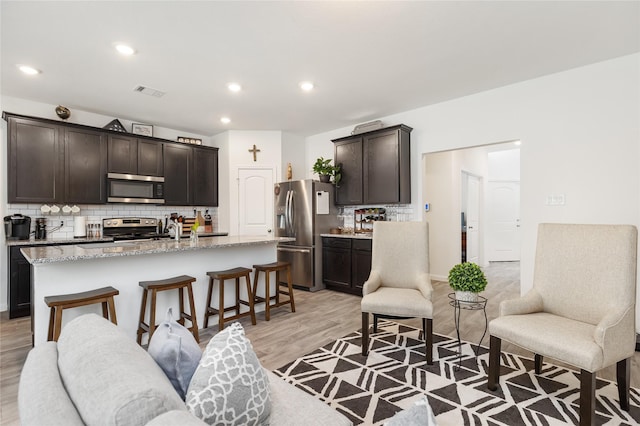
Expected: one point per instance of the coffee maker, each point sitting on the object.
(17, 227)
(41, 228)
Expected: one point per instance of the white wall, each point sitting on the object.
(293, 152)
(580, 137)
(240, 142)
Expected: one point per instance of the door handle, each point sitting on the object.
(269, 231)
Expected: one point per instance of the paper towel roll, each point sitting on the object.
(79, 226)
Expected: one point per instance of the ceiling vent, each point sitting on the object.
(149, 91)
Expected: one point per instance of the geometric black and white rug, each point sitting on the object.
(371, 390)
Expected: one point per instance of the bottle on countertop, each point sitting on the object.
(208, 223)
(160, 228)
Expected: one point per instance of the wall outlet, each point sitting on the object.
(555, 200)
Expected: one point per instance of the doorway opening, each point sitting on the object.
(477, 188)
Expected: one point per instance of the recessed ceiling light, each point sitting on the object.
(125, 50)
(225, 120)
(29, 70)
(234, 87)
(307, 86)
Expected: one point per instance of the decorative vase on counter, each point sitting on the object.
(200, 221)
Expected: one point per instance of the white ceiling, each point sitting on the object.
(367, 59)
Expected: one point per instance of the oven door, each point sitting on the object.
(123, 188)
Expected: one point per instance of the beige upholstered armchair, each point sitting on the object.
(399, 285)
(581, 309)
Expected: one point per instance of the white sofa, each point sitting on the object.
(95, 374)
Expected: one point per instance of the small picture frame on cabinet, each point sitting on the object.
(142, 129)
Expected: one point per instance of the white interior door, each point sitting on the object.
(255, 201)
(503, 213)
(473, 217)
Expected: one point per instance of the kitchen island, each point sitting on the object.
(75, 268)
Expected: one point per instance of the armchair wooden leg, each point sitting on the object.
(538, 363)
(587, 397)
(623, 375)
(365, 333)
(375, 323)
(427, 330)
(494, 363)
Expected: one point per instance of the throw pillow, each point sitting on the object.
(176, 351)
(420, 414)
(230, 387)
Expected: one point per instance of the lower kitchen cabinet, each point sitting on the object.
(19, 284)
(360, 263)
(346, 263)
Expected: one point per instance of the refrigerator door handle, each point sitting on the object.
(289, 213)
(294, 250)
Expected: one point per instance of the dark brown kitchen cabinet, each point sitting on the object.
(346, 263)
(348, 154)
(35, 161)
(205, 177)
(336, 263)
(360, 263)
(85, 160)
(377, 167)
(51, 161)
(130, 155)
(19, 284)
(177, 174)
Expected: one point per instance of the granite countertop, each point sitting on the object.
(364, 236)
(102, 249)
(50, 241)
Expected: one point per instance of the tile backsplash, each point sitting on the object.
(393, 212)
(95, 214)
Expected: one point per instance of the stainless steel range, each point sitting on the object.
(131, 228)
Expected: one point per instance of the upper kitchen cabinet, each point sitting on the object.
(52, 161)
(85, 159)
(205, 177)
(375, 167)
(348, 153)
(35, 161)
(177, 174)
(190, 175)
(131, 155)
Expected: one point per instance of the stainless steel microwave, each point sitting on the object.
(124, 188)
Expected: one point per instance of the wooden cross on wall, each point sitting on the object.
(254, 151)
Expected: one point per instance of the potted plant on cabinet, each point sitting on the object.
(325, 171)
(467, 280)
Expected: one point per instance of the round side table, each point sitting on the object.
(458, 306)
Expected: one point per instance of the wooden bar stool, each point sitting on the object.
(179, 283)
(267, 269)
(221, 276)
(65, 301)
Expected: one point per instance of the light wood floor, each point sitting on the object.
(319, 318)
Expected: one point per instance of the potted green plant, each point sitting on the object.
(325, 171)
(467, 280)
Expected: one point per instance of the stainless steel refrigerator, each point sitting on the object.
(304, 210)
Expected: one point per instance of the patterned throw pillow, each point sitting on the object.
(229, 386)
(176, 351)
